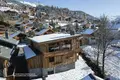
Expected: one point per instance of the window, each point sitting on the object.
(50, 72)
(51, 59)
(54, 47)
(66, 45)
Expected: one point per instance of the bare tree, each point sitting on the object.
(104, 37)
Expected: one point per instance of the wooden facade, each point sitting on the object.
(55, 53)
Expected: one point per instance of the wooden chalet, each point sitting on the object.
(54, 53)
(87, 37)
(3, 27)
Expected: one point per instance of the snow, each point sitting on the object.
(2, 78)
(116, 26)
(62, 24)
(112, 61)
(81, 70)
(49, 37)
(88, 31)
(28, 3)
(14, 34)
(21, 45)
(28, 52)
(7, 8)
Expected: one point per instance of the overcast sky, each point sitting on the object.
(93, 7)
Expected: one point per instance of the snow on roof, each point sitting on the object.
(88, 31)
(21, 45)
(14, 34)
(49, 37)
(62, 24)
(7, 8)
(81, 70)
(28, 52)
(28, 3)
(116, 26)
(42, 32)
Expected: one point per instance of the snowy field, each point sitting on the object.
(2, 78)
(112, 61)
(81, 70)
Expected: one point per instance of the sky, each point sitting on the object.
(93, 7)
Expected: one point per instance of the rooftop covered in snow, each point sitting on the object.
(51, 37)
(88, 31)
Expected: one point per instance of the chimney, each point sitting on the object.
(6, 34)
(72, 32)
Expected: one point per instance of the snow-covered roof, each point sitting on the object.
(49, 37)
(14, 34)
(28, 3)
(88, 31)
(42, 32)
(81, 70)
(28, 52)
(62, 24)
(116, 26)
(7, 8)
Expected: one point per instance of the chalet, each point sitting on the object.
(3, 27)
(54, 53)
(11, 14)
(88, 36)
(44, 31)
(6, 49)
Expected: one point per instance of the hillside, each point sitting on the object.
(52, 11)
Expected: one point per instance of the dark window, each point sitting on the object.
(50, 72)
(51, 59)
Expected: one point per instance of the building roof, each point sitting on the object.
(42, 31)
(116, 27)
(14, 34)
(8, 8)
(28, 52)
(8, 42)
(88, 31)
(49, 37)
(5, 52)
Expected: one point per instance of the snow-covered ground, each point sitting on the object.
(112, 61)
(2, 78)
(81, 70)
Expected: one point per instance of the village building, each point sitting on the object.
(54, 53)
(3, 27)
(87, 37)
